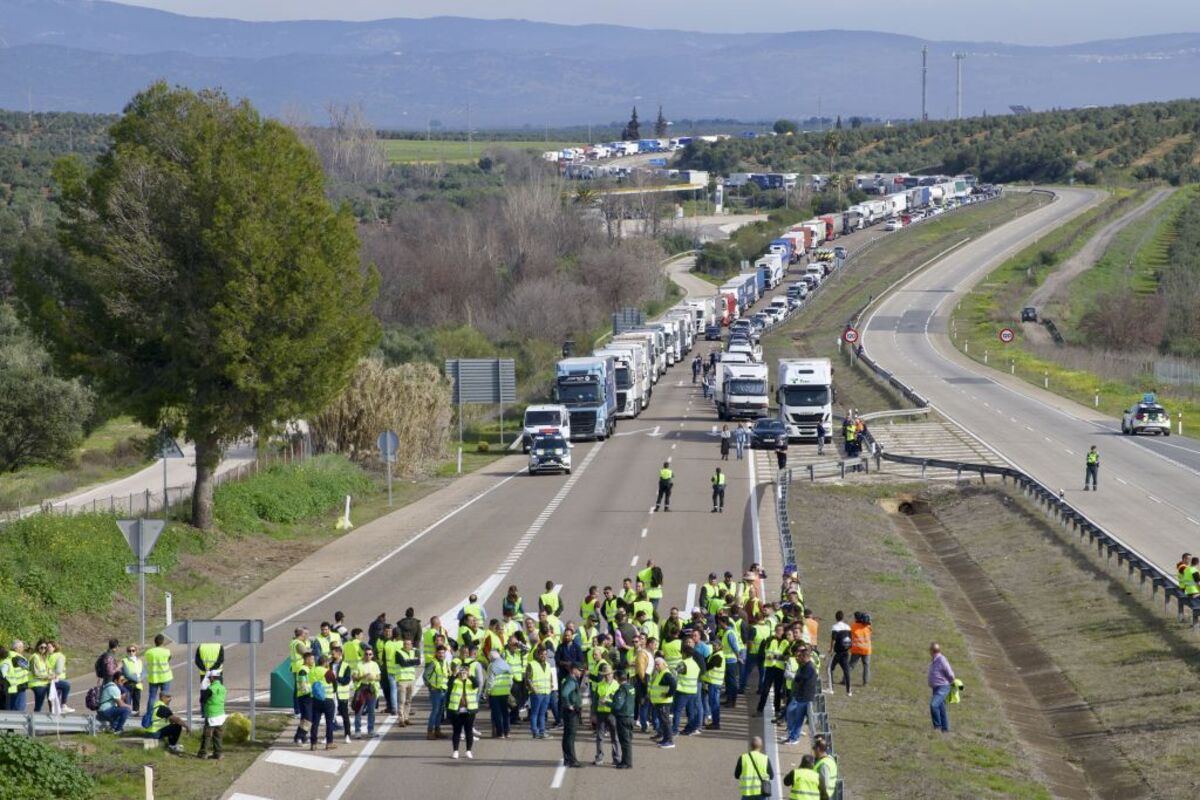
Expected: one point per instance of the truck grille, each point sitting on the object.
(583, 423)
(622, 397)
(812, 419)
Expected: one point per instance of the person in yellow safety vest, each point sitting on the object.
(210, 657)
(499, 688)
(326, 639)
(343, 688)
(303, 678)
(804, 781)
(609, 607)
(647, 626)
(428, 645)
(860, 644)
(366, 674)
(652, 577)
(297, 649)
(597, 655)
(718, 491)
(352, 648)
(165, 724)
(436, 674)
(589, 603)
(672, 651)
(1092, 471)
(628, 593)
(602, 698)
(1182, 573)
(549, 600)
(324, 704)
(687, 692)
(754, 772)
(512, 603)
(712, 680)
(643, 605)
(731, 648)
(14, 668)
(661, 690)
(58, 666)
(826, 767)
(472, 608)
(666, 480)
(1191, 579)
(774, 656)
(462, 703)
(728, 586)
(516, 654)
(158, 672)
(403, 668)
(135, 675)
(40, 676)
(539, 681)
(492, 642)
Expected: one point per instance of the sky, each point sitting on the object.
(1014, 21)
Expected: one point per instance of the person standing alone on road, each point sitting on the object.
(781, 448)
(941, 679)
(718, 491)
(726, 439)
(666, 478)
(741, 440)
(820, 438)
(696, 366)
(1093, 469)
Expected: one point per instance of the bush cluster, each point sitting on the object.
(33, 768)
(288, 493)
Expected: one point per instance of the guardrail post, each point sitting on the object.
(29, 728)
(842, 466)
(812, 478)
(924, 464)
(959, 478)
(982, 473)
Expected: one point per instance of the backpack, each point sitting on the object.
(92, 699)
(842, 643)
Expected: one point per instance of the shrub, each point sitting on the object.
(33, 768)
(237, 729)
(288, 493)
(482, 447)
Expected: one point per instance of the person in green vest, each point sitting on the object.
(214, 719)
(718, 491)
(498, 686)
(135, 674)
(517, 656)
(366, 689)
(405, 661)
(754, 772)
(14, 669)
(166, 724)
(352, 648)
(343, 688)
(437, 672)
(687, 692)
(666, 480)
(661, 689)
(540, 676)
(40, 675)
(711, 682)
(58, 666)
(158, 674)
(297, 647)
(803, 781)
(462, 703)
(549, 600)
(602, 696)
(624, 703)
(303, 678)
(826, 767)
(324, 704)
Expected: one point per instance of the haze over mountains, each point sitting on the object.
(84, 55)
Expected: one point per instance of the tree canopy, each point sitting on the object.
(200, 278)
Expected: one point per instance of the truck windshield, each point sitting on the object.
(623, 379)
(805, 395)
(747, 386)
(541, 418)
(574, 393)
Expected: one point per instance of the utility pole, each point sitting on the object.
(958, 58)
(924, 80)
(470, 151)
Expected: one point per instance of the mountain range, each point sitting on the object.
(90, 55)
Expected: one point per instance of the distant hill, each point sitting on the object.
(88, 55)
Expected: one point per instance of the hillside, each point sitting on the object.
(88, 55)
(1096, 145)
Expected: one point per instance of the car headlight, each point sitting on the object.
(540, 452)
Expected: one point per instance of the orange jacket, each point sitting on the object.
(860, 639)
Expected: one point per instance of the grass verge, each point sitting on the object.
(816, 330)
(1095, 627)
(415, 151)
(997, 301)
(882, 733)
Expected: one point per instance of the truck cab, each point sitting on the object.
(629, 380)
(743, 392)
(588, 388)
(804, 392)
(544, 419)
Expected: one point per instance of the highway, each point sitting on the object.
(1147, 495)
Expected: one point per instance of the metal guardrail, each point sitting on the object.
(40, 723)
(899, 412)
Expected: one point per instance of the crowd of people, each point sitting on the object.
(622, 663)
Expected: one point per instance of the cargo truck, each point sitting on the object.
(728, 307)
(772, 266)
(804, 392)
(743, 393)
(545, 419)
(588, 388)
(629, 383)
(654, 355)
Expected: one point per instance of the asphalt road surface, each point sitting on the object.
(1147, 495)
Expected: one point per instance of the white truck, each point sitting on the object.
(743, 392)
(658, 342)
(704, 312)
(630, 378)
(773, 268)
(545, 419)
(671, 341)
(804, 392)
(687, 326)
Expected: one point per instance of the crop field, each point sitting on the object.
(417, 151)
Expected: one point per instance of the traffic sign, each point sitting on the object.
(850, 336)
(1007, 335)
(141, 534)
(388, 442)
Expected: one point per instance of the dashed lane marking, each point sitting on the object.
(560, 772)
(633, 562)
(644, 532)
(690, 603)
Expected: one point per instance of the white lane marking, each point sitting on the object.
(560, 772)
(644, 532)
(689, 604)
(681, 424)
(633, 562)
(1155, 499)
(1122, 480)
(244, 796)
(289, 758)
(669, 459)
(1028, 428)
(674, 446)
(653, 509)
(1069, 451)
(1193, 521)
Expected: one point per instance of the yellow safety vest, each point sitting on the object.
(1093, 457)
(539, 677)
(828, 766)
(501, 684)
(297, 649)
(343, 691)
(604, 692)
(652, 592)
(41, 672)
(719, 480)
(588, 607)
(715, 675)
(133, 666)
(550, 601)
(686, 681)
(753, 766)
(437, 676)
(352, 652)
(665, 474)
(403, 673)
(303, 687)
(516, 662)
(18, 676)
(157, 723)
(158, 665)
(658, 689)
(458, 690)
(368, 675)
(805, 783)
(208, 653)
(428, 649)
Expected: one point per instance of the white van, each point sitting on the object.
(545, 419)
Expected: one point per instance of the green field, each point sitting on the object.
(417, 151)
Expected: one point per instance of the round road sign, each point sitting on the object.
(1007, 335)
(850, 336)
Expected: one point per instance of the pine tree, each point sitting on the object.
(660, 125)
(633, 130)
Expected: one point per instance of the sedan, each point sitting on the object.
(767, 433)
(712, 333)
(1146, 418)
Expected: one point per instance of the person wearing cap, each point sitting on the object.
(571, 704)
(165, 724)
(602, 696)
(623, 707)
(214, 719)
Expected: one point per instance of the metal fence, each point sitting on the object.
(1177, 373)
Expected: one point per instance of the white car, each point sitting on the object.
(1146, 417)
(893, 225)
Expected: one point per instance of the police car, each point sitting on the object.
(549, 452)
(1146, 417)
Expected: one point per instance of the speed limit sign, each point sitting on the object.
(850, 336)
(1007, 335)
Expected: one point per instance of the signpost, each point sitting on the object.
(850, 335)
(1007, 336)
(141, 534)
(388, 441)
(481, 380)
(223, 632)
(167, 448)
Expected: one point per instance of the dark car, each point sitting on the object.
(712, 333)
(767, 433)
(839, 252)
(1028, 314)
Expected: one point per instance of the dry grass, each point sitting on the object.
(852, 558)
(1161, 149)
